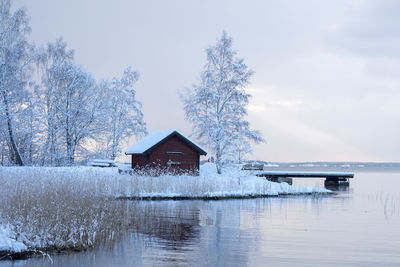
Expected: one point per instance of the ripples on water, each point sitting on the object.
(360, 226)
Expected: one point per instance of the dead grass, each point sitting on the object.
(57, 213)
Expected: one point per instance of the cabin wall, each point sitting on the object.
(189, 158)
(184, 157)
(138, 161)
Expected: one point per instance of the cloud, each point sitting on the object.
(254, 108)
(369, 29)
(327, 73)
(289, 103)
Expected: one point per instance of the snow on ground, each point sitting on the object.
(70, 207)
(107, 182)
(232, 183)
(8, 240)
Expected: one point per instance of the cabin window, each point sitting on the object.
(174, 158)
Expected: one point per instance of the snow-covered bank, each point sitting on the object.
(107, 183)
(8, 240)
(73, 207)
(232, 183)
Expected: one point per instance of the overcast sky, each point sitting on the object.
(327, 73)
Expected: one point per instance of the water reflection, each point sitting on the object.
(195, 228)
(338, 187)
(175, 226)
(321, 182)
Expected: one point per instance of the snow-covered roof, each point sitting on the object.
(151, 140)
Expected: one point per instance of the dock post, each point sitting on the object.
(336, 181)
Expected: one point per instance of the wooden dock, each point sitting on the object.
(286, 176)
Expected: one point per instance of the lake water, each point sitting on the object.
(359, 226)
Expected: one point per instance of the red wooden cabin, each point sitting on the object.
(166, 150)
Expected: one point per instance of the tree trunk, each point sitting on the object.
(17, 157)
(70, 151)
(68, 134)
(218, 166)
(218, 159)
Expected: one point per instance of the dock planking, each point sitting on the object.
(293, 174)
(286, 176)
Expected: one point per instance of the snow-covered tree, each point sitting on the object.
(79, 113)
(52, 146)
(217, 105)
(73, 106)
(29, 135)
(76, 106)
(124, 112)
(55, 121)
(16, 54)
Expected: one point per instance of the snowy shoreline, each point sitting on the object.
(74, 208)
(211, 198)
